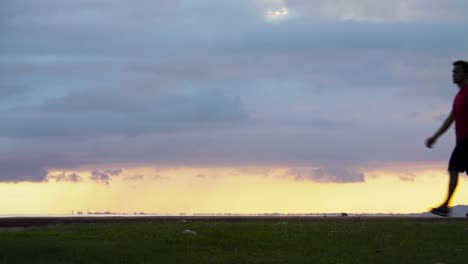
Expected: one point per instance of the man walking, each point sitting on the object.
(459, 159)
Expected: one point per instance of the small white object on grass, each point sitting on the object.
(189, 232)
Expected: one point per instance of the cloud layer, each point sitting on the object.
(213, 83)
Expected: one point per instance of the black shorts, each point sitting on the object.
(459, 159)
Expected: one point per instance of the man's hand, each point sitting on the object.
(431, 141)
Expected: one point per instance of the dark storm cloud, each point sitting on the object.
(9, 92)
(214, 83)
(94, 114)
(18, 170)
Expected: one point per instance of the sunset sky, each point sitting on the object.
(214, 106)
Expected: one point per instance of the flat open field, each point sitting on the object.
(234, 240)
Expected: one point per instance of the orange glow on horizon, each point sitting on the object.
(410, 189)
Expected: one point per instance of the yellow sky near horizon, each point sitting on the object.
(390, 189)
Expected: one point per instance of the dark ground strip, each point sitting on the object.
(46, 221)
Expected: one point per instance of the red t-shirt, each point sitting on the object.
(460, 110)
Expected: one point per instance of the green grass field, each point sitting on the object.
(253, 241)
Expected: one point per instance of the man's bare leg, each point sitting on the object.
(453, 183)
(444, 209)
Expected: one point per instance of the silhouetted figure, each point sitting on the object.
(459, 159)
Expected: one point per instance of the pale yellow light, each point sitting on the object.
(235, 190)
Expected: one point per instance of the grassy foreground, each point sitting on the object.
(254, 241)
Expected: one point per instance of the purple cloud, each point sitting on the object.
(137, 177)
(104, 176)
(18, 170)
(327, 174)
(65, 177)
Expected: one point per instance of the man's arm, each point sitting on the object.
(447, 123)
